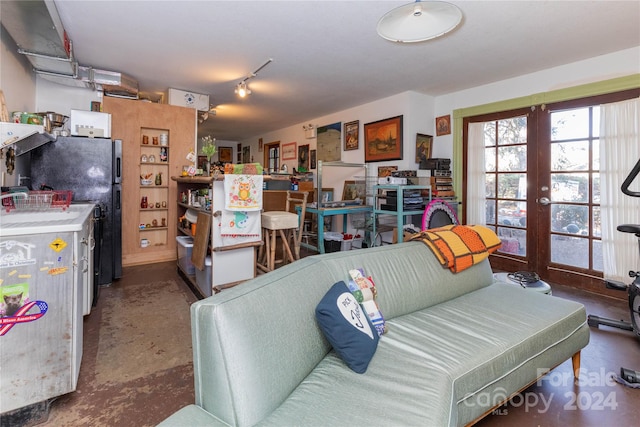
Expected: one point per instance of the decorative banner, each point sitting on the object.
(21, 316)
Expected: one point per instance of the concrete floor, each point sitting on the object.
(137, 365)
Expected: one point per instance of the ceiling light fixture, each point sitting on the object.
(242, 88)
(419, 21)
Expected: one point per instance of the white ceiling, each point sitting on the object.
(326, 55)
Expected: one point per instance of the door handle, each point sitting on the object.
(544, 201)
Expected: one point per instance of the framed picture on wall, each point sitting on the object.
(246, 154)
(312, 159)
(385, 171)
(424, 147)
(225, 154)
(443, 125)
(303, 158)
(351, 135)
(383, 140)
(289, 151)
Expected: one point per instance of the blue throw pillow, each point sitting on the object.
(347, 327)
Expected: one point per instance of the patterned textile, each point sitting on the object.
(243, 168)
(240, 224)
(243, 192)
(459, 247)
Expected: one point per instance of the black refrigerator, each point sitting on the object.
(92, 169)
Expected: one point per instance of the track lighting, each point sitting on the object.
(242, 88)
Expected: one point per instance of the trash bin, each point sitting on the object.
(332, 241)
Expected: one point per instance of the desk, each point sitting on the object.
(322, 212)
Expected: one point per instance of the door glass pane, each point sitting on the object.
(512, 131)
(570, 124)
(596, 226)
(490, 159)
(570, 156)
(512, 186)
(570, 187)
(489, 134)
(512, 158)
(573, 219)
(569, 250)
(490, 181)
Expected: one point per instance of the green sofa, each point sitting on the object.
(457, 345)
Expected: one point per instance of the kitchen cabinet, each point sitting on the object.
(232, 259)
(131, 120)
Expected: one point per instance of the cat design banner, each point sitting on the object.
(243, 192)
(21, 316)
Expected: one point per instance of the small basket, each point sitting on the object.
(35, 200)
(146, 182)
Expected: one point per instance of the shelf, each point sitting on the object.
(195, 208)
(154, 163)
(154, 228)
(154, 186)
(196, 179)
(153, 146)
(153, 209)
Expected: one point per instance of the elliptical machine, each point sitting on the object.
(633, 289)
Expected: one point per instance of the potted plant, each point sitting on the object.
(208, 149)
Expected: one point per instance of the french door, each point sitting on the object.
(543, 189)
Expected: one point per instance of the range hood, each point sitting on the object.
(36, 28)
(28, 136)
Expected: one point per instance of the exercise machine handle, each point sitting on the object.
(629, 179)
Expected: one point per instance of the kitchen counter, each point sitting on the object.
(54, 220)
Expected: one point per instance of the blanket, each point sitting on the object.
(459, 247)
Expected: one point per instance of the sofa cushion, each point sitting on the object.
(347, 327)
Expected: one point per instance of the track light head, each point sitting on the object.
(242, 89)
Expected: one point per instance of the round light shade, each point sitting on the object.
(419, 21)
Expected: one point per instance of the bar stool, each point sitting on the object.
(286, 224)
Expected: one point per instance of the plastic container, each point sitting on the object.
(332, 242)
(203, 278)
(185, 248)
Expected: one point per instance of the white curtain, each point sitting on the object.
(619, 152)
(476, 178)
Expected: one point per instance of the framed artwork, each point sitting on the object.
(246, 154)
(353, 190)
(289, 151)
(443, 125)
(202, 161)
(239, 154)
(424, 146)
(329, 142)
(312, 159)
(303, 157)
(225, 154)
(351, 135)
(260, 145)
(385, 171)
(383, 140)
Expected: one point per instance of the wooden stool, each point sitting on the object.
(286, 224)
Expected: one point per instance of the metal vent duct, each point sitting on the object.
(36, 28)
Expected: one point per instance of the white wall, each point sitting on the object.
(18, 85)
(617, 64)
(62, 99)
(417, 112)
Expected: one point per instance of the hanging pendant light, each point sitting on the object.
(419, 21)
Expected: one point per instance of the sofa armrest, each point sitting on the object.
(192, 416)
